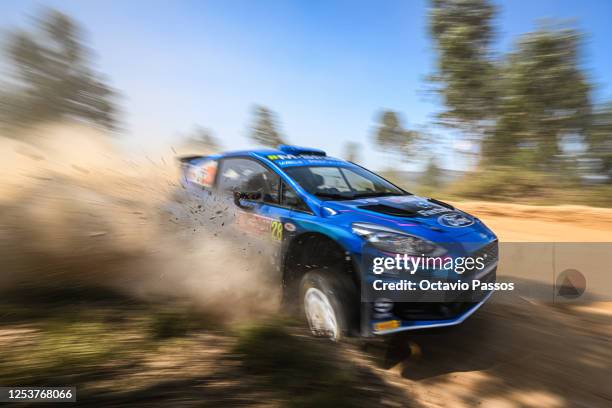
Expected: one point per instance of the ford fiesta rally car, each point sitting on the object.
(325, 219)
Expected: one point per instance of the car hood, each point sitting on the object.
(410, 210)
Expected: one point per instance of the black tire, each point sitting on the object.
(341, 293)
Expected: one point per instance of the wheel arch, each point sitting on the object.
(311, 250)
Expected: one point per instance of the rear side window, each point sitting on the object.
(246, 175)
(202, 173)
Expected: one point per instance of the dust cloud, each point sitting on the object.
(77, 212)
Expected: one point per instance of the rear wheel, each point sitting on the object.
(329, 303)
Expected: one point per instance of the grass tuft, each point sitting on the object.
(300, 370)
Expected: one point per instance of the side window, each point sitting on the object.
(202, 173)
(290, 199)
(247, 175)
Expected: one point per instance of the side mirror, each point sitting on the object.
(246, 199)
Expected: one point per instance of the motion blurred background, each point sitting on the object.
(430, 90)
(109, 278)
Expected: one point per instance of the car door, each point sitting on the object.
(263, 219)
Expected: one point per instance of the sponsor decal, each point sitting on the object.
(304, 159)
(256, 224)
(203, 174)
(433, 211)
(388, 325)
(276, 230)
(289, 227)
(399, 199)
(253, 223)
(455, 220)
(423, 204)
(300, 157)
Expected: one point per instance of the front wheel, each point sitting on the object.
(328, 302)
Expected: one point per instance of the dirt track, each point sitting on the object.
(517, 352)
(518, 356)
(526, 223)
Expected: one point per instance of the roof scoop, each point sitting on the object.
(297, 150)
(387, 209)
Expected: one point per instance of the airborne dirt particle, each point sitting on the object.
(86, 189)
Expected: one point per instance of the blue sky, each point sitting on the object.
(326, 67)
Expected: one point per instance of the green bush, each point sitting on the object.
(176, 322)
(290, 361)
(500, 183)
(300, 370)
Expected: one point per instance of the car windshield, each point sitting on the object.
(341, 183)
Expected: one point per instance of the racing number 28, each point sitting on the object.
(276, 230)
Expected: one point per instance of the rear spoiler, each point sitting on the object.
(187, 159)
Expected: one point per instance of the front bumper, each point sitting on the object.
(423, 315)
(389, 311)
(405, 325)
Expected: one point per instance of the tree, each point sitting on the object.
(599, 138)
(351, 151)
(391, 135)
(264, 131)
(462, 32)
(431, 175)
(519, 105)
(202, 139)
(54, 79)
(546, 96)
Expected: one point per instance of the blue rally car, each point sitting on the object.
(326, 218)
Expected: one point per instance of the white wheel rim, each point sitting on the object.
(320, 314)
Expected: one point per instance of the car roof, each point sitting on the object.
(284, 160)
(281, 150)
(288, 156)
(258, 152)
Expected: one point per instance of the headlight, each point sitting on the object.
(397, 242)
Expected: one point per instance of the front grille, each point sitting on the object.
(489, 253)
(430, 310)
